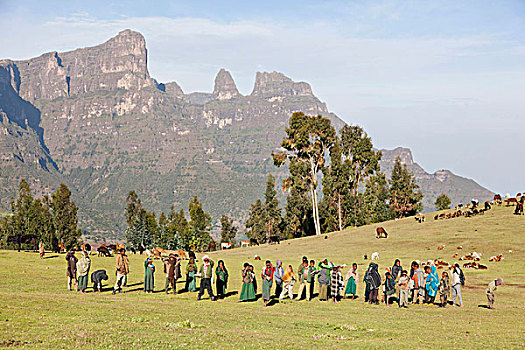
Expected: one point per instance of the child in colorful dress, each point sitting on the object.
(247, 291)
(351, 281)
(288, 282)
(444, 289)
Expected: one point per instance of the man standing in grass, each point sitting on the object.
(419, 284)
(457, 281)
(71, 270)
(206, 274)
(490, 291)
(122, 270)
(302, 271)
(170, 265)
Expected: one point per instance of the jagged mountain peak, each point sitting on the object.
(225, 87)
(405, 154)
(277, 84)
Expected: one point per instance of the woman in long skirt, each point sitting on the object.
(247, 291)
(351, 281)
(267, 277)
(83, 266)
(222, 279)
(191, 270)
(149, 281)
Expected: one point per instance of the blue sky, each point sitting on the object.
(445, 78)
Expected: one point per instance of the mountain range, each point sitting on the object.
(95, 119)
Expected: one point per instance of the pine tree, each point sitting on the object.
(272, 211)
(198, 238)
(256, 221)
(405, 198)
(442, 202)
(228, 230)
(178, 228)
(65, 217)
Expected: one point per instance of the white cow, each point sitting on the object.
(226, 245)
(375, 256)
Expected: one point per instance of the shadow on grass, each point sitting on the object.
(484, 307)
(50, 256)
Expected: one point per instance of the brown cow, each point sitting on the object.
(510, 201)
(380, 232)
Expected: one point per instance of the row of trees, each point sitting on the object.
(50, 218)
(171, 231)
(355, 191)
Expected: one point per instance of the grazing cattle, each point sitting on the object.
(455, 255)
(112, 247)
(212, 247)
(274, 239)
(365, 257)
(103, 251)
(133, 250)
(497, 199)
(472, 256)
(380, 232)
(254, 241)
(459, 247)
(496, 258)
(487, 205)
(510, 201)
(141, 249)
(182, 254)
(20, 239)
(256, 257)
(436, 217)
(226, 245)
(420, 218)
(519, 206)
(245, 243)
(375, 256)
(442, 215)
(62, 247)
(441, 247)
(440, 264)
(474, 265)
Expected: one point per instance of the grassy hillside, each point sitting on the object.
(36, 307)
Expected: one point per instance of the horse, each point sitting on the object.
(274, 239)
(254, 241)
(103, 251)
(380, 232)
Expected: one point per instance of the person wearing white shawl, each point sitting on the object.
(83, 266)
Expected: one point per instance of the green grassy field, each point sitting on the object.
(37, 311)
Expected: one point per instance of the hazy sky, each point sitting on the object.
(444, 78)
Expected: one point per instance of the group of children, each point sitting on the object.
(421, 286)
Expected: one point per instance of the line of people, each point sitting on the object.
(421, 286)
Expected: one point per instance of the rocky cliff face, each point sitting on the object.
(225, 88)
(459, 189)
(93, 118)
(276, 84)
(119, 63)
